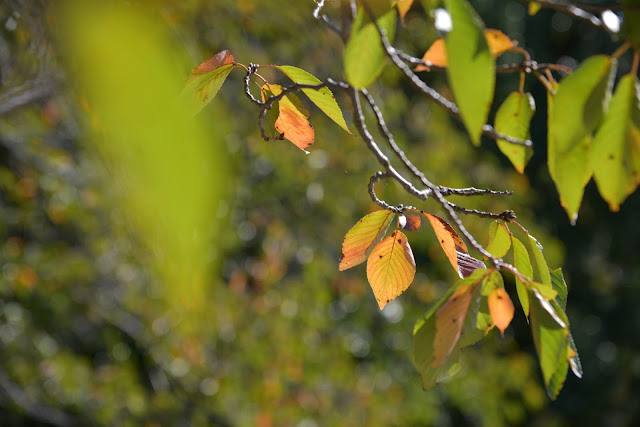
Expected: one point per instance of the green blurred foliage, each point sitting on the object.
(91, 331)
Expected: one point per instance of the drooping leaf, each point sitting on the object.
(364, 55)
(202, 88)
(269, 121)
(449, 321)
(467, 264)
(362, 237)
(323, 98)
(574, 112)
(449, 240)
(550, 336)
(468, 55)
(478, 321)
(403, 7)
(523, 264)
(391, 268)
(497, 41)
(615, 153)
(221, 58)
(541, 267)
(410, 222)
(513, 119)
(501, 308)
(574, 359)
(292, 119)
(499, 240)
(560, 286)
(425, 334)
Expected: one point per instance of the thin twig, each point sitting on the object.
(572, 10)
(372, 193)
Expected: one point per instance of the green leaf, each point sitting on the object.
(574, 112)
(499, 240)
(471, 70)
(202, 88)
(615, 152)
(362, 237)
(560, 286)
(550, 336)
(513, 119)
(269, 121)
(540, 263)
(364, 56)
(323, 98)
(523, 264)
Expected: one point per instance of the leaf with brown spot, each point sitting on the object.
(391, 268)
(497, 41)
(362, 237)
(410, 222)
(449, 240)
(501, 308)
(221, 58)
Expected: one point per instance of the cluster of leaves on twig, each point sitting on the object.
(588, 135)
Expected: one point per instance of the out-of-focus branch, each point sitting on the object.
(26, 93)
(577, 11)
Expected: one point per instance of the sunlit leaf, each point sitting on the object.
(449, 321)
(391, 268)
(615, 153)
(202, 88)
(410, 222)
(541, 268)
(574, 359)
(499, 240)
(467, 264)
(449, 240)
(574, 112)
(323, 98)
(497, 41)
(221, 58)
(292, 119)
(523, 264)
(513, 119)
(533, 8)
(362, 237)
(560, 286)
(269, 121)
(468, 55)
(501, 308)
(550, 336)
(364, 55)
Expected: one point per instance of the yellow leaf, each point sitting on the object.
(501, 308)
(363, 236)
(391, 268)
(403, 7)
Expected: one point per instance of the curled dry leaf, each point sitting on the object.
(436, 55)
(391, 268)
(221, 58)
(501, 308)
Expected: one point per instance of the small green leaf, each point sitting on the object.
(523, 264)
(574, 113)
(364, 55)
(201, 89)
(499, 240)
(615, 153)
(469, 55)
(513, 119)
(323, 98)
(550, 336)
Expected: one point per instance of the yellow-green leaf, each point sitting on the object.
(615, 153)
(523, 264)
(323, 98)
(574, 112)
(499, 240)
(201, 88)
(362, 237)
(391, 268)
(468, 55)
(364, 55)
(513, 119)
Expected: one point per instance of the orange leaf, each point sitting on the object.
(449, 321)
(403, 7)
(501, 308)
(449, 240)
(363, 236)
(410, 222)
(292, 118)
(498, 43)
(221, 58)
(391, 268)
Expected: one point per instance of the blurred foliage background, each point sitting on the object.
(157, 269)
